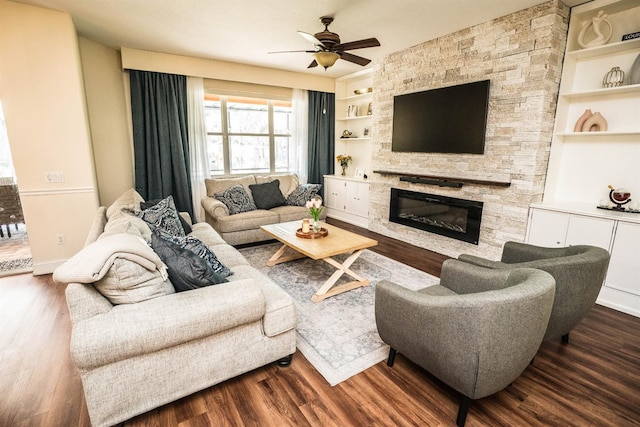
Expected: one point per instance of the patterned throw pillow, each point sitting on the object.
(151, 203)
(267, 195)
(199, 248)
(302, 194)
(236, 199)
(163, 218)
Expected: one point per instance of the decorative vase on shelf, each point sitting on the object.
(344, 171)
(599, 28)
(613, 78)
(595, 123)
(583, 118)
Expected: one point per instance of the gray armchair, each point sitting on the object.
(477, 330)
(579, 272)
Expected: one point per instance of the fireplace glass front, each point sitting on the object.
(447, 216)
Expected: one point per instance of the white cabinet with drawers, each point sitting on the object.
(564, 224)
(347, 199)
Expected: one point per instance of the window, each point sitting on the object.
(247, 135)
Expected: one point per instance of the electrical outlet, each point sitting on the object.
(60, 238)
(54, 176)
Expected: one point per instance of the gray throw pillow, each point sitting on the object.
(163, 218)
(186, 270)
(236, 199)
(198, 247)
(301, 195)
(267, 195)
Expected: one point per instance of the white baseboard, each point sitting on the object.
(619, 300)
(46, 267)
(347, 217)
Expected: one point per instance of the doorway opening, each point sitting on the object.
(15, 252)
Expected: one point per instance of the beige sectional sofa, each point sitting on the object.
(241, 228)
(138, 356)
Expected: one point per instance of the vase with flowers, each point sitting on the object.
(315, 208)
(344, 161)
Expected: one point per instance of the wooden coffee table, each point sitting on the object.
(338, 241)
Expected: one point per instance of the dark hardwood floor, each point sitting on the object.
(592, 381)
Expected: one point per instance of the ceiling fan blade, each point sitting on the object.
(294, 51)
(311, 39)
(360, 44)
(354, 58)
(313, 64)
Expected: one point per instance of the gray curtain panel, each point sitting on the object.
(160, 140)
(321, 136)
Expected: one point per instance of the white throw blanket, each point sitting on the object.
(94, 260)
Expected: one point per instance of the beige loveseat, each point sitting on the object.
(244, 227)
(138, 356)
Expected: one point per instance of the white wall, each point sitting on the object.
(43, 99)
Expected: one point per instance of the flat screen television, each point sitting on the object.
(446, 120)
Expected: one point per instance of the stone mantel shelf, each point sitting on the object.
(443, 181)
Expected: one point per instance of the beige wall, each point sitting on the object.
(42, 95)
(107, 84)
(110, 121)
(166, 63)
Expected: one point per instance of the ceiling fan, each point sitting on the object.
(328, 48)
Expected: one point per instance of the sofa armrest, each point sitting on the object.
(214, 207)
(186, 217)
(131, 330)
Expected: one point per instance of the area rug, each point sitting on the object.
(15, 266)
(338, 335)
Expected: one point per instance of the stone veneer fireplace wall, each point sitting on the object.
(522, 56)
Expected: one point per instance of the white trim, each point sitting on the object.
(46, 267)
(47, 192)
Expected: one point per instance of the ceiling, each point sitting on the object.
(244, 31)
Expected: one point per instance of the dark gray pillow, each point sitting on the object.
(163, 218)
(198, 247)
(236, 199)
(186, 270)
(302, 194)
(267, 195)
(151, 203)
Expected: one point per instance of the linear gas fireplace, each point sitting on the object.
(447, 216)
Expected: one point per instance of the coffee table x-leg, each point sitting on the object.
(337, 241)
(327, 289)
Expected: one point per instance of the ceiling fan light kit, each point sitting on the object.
(328, 48)
(326, 59)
